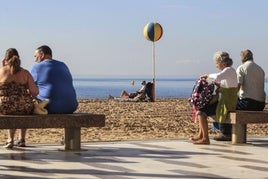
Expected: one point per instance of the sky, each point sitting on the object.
(105, 37)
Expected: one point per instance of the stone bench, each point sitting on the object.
(239, 121)
(72, 124)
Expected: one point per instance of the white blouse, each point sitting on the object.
(227, 78)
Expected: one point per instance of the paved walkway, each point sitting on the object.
(138, 159)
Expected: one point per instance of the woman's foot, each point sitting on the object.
(196, 138)
(9, 145)
(202, 142)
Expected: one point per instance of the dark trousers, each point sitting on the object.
(242, 104)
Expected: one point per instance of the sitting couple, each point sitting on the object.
(240, 89)
(49, 79)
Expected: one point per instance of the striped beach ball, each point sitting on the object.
(153, 31)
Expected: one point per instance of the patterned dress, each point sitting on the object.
(15, 99)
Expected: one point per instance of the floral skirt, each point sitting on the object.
(15, 99)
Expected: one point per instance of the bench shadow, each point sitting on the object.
(101, 162)
(258, 142)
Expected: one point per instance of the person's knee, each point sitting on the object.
(201, 114)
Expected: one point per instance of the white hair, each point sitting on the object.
(217, 56)
(222, 58)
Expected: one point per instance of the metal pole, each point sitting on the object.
(153, 61)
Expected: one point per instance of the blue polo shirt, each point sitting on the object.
(55, 83)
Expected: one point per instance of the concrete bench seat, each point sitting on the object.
(72, 124)
(239, 120)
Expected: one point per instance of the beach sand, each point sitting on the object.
(163, 119)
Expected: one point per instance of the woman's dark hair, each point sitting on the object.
(12, 59)
(45, 49)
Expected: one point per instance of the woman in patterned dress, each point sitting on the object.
(17, 91)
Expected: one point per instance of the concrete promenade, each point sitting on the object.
(138, 159)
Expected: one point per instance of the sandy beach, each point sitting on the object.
(163, 119)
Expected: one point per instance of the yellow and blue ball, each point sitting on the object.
(153, 31)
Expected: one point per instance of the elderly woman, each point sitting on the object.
(17, 90)
(226, 81)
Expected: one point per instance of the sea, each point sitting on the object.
(101, 88)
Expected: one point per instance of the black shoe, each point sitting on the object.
(223, 137)
(20, 143)
(9, 145)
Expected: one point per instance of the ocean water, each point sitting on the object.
(103, 87)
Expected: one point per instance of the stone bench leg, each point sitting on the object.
(72, 139)
(239, 133)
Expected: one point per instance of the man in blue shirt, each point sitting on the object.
(54, 81)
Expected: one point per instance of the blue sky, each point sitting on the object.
(105, 37)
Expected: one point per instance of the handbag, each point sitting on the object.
(39, 107)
